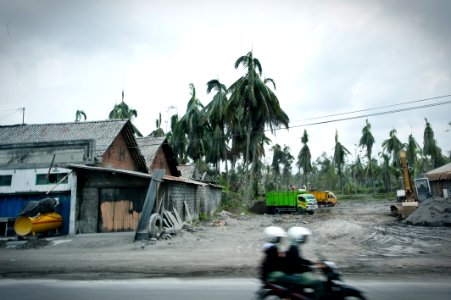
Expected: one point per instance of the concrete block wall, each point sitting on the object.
(215, 197)
(200, 199)
(210, 199)
(180, 193)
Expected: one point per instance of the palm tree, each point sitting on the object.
(386, 169)
(177, 140)
(393, 146)
(254, 106)
(412, 149)
(359, 171)
(287, 161)
(192, 125)
(159, 132)
(277, 159)
(123, 112)
(305, 158)
(367, 141)
(430, 148)
(79, 114)
(340, 154)
(215, 115)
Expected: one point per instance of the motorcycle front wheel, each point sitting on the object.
(354, 296)
(267, 295)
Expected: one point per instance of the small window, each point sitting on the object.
(5, 180)
(51, 179)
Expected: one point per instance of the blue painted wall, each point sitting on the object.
(11, 206)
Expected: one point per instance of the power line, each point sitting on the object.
(209, 135)
(13, 111)
(370, 115)
(374, 108)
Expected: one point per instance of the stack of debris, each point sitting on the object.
(35, 208)
(432, 212)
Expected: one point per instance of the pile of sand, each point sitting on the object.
(432, 212)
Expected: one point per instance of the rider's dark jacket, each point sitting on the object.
(294, 263)
(272, 261)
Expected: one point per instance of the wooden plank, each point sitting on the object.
(174, 220)
(187, 212)
(179, 220)
(166, 223)
(149, 202)
(160, 201)
(168, 218)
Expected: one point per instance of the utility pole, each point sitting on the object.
(23, 114)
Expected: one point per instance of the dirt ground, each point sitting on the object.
(361, 237)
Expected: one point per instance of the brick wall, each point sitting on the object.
(118, 156)
(160, 162)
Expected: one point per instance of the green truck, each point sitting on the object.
(290, 201)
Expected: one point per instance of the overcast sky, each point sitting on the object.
(326, 58)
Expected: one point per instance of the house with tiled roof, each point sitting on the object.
(34, 160)
(99, 171)
(158, 154)
(109, 143)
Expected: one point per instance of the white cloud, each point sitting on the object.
(325, 57)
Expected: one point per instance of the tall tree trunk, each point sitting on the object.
(252, 170)
(226, 169)
(247, 187)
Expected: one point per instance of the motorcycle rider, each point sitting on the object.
(291, 271)
(298, 269)
(272, 267)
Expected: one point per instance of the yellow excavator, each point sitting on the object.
(409, 202)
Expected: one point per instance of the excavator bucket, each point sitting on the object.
(403, 210)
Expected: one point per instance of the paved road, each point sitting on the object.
(190, 289)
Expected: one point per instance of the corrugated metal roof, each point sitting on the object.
(103, 132)
(110, 170)
(441, 173)
(134, 173)
(184, 180)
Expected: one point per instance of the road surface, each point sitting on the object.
(190, 289)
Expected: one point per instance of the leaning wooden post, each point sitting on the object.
(142, 231)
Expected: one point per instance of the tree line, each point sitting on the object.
(226, 140)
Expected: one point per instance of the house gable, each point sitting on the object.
(158, 155)
(118, 155)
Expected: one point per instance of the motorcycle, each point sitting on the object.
(333, 288)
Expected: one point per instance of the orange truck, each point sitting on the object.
(325, 198)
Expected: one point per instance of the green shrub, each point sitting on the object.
(232, 202)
